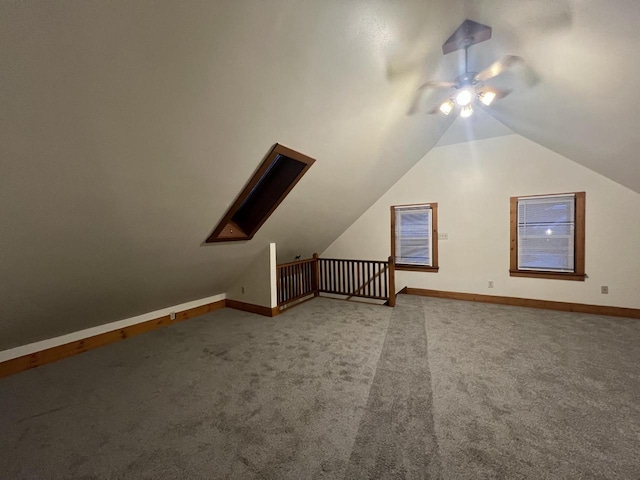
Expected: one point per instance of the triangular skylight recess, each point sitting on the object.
(268, 187)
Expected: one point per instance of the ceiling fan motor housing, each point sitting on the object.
(467, 79)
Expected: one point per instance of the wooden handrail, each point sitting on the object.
(297, 262)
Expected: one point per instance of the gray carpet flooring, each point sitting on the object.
(432, 389)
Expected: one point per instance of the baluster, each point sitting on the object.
(369, 279)
(367, 276)
(292, 277)
(354, 268)
(306, 279)
(283, 279)
(298, 279)
(351, 277)
(325, 276)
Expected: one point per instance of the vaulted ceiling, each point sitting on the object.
(128, 128)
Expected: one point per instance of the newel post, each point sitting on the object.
(316, 275)
(392, 283)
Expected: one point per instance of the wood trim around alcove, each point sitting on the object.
(276, 176)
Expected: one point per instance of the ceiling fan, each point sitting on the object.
(468, 87)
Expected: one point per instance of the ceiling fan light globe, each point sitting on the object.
(487, 97)
(466, 111)
(464, 98)
(446, 107)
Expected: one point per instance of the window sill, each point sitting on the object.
(578, 277)
(416, 268)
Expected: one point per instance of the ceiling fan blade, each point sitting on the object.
(398, 70)
(418, 95)
(530, 76)
(413, 109)
(436, 84)
(414, 106)
(498, 67)
(436, 108)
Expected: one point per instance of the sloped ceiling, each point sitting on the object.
(128, 128)
(582, 56)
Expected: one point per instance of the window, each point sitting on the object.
(414, 237)
(547, 236)
(268, 187)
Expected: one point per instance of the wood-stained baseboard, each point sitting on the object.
(252, 308)
(528, 302)
(59, 352)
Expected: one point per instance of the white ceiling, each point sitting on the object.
(127, 129)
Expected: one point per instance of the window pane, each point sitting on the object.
(413, 236)
(546, 233)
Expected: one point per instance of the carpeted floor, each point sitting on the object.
(338, 390)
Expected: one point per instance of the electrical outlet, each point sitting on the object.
(172, 315)
(443, 236)
(490, 284)
(604, 289)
